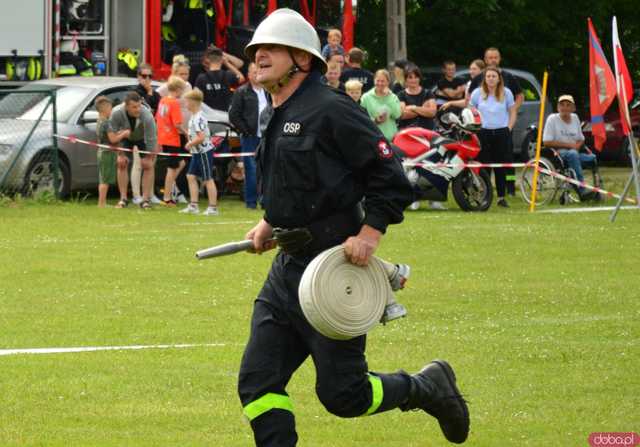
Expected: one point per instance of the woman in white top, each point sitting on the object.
(496, 105)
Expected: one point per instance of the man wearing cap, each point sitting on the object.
(319, 157)
(563, 132)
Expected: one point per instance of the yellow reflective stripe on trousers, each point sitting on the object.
(266, 403)
(376, 394)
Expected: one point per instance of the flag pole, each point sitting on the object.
(634, 159)
(543, 100)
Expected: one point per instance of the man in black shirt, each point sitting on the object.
(216, 83)
(319, 157)
(449, 87)
(355, 58)
(492, 59)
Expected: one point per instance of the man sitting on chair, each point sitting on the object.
(563, 132)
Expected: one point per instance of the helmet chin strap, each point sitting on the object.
(283, 81)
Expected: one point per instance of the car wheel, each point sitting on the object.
(40, 176)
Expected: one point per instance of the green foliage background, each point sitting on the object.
(532, 35)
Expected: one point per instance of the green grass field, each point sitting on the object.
(538, 314)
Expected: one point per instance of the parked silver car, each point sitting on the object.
(76, 116)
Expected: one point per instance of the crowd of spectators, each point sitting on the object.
(170, 120)
(164, 119)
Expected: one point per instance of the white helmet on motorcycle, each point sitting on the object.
(470, 119)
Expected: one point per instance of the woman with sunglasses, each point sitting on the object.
(145, 89)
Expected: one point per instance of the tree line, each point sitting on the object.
(532, 35)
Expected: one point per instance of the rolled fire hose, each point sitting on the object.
(339, 299)
(342, 300)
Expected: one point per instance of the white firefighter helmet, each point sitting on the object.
(287, 27)
(78, 9)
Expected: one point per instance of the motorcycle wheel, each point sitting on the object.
(473, 192)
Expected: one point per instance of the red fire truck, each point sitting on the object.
(229, 24)
(48, 38)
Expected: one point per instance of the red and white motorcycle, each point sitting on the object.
(433, 160)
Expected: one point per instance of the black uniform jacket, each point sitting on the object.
(320, 155)
(243, 113)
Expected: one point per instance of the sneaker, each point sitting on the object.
(434, 391)
(503, 203)
(168, 203)
(211, 211)
(437, 206)
(155, 200)
(137, 200)
(414, 206)
(191, 209)
(181, 199)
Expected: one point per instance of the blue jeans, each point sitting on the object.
(574, 160)
(249, 144)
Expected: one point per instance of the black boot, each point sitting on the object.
(586, 196)
(434, 390)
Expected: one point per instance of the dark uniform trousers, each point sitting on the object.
(280, 341)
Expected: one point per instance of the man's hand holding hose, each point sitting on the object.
(359, 248)
(261, 235)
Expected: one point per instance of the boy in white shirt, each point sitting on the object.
(201, 164)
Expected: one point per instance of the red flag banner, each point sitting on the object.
(602, 87)
(624, 86)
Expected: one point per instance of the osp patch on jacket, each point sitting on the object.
(384, 151)
(291, 128)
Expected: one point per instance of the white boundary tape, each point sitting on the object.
(586, 210)
(93, 144)
(467, 165)
(522, 165)
(564, 178)
(406, 163)
(103, 348)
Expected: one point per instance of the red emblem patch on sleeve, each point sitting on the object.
(384, 150)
